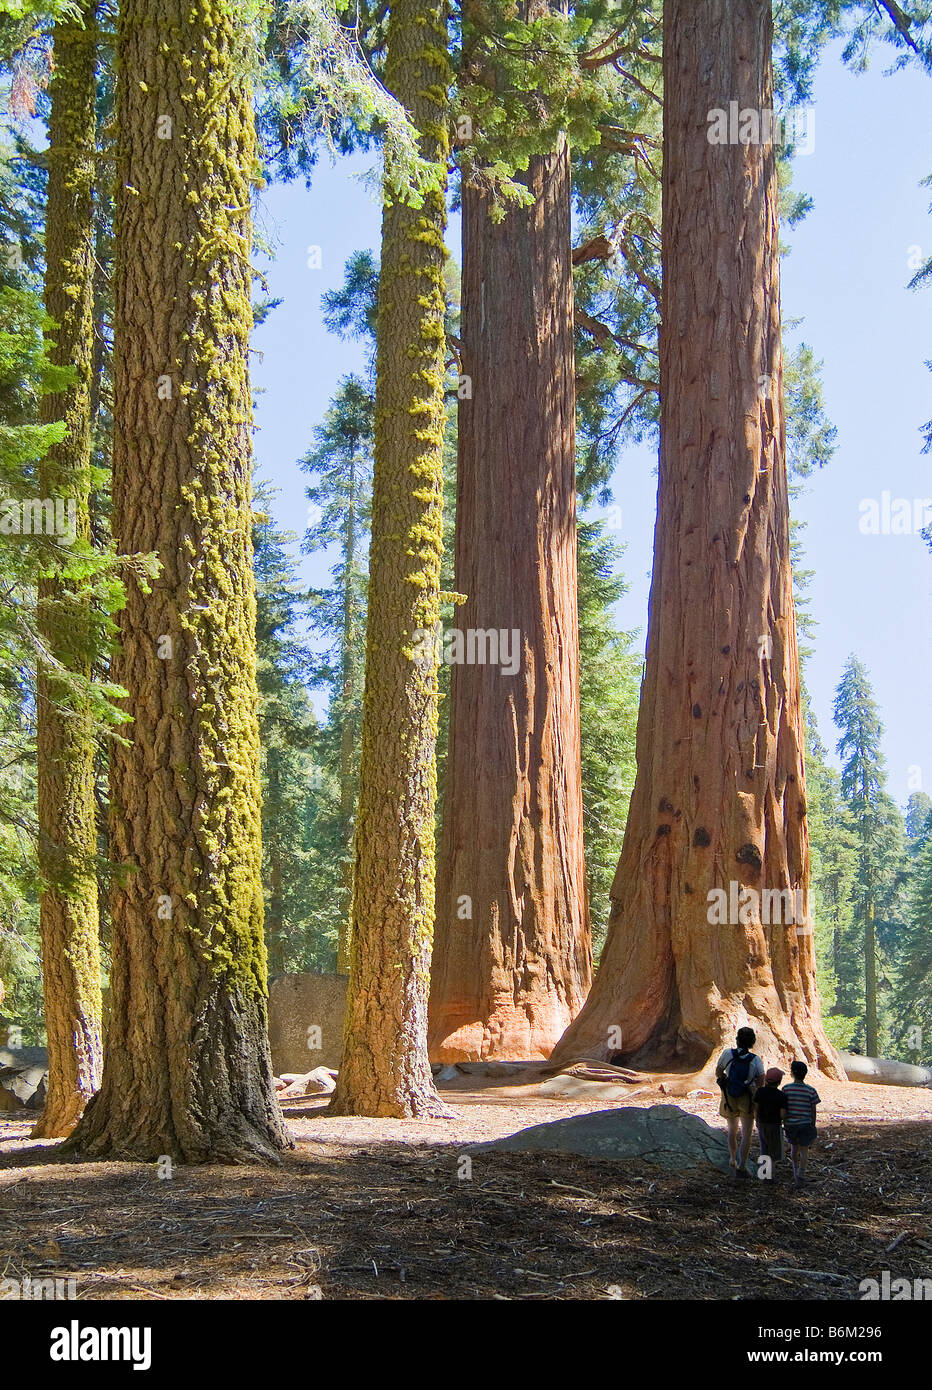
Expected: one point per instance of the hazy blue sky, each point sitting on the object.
(845, 277)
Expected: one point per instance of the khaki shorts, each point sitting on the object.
(737, 1105)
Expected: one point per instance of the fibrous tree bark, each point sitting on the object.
(68, 914)
(384, 1068)
(348, 731)
(512, 955)
(719, 797)
(274, 911)
(187, 1071)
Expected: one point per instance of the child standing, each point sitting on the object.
(801, 1102)
(770, 1103)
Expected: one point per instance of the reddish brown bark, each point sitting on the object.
(507, 979)
(720, 789)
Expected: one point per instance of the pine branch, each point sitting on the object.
(900, 20)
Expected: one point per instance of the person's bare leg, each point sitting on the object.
(732, 1123)
(747, 1129)
(794, 1159)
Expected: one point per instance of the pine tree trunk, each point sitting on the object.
(384, 1068)
(274, 916)
(719, 796)
(347, 729)
(512, 955)
(871, 1026)
(68, 915)
(187, 1070)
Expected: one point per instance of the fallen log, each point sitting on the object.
(884, 1071)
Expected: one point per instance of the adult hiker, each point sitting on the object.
(739, 1072)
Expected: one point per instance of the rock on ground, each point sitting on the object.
(662, 1134)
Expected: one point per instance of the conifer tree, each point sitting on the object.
(189, 963)
(609, 682)
(58, 593)
(67, 807)
(720, 790)
(341, 466)
(384, 1068)
(287, 738)
(878, 832)
(912, 1013)
(918, 810)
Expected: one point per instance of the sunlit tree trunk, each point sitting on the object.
(720, 795)
(384, 1068)
(187, 1070)
(68, 916)
(512, 956)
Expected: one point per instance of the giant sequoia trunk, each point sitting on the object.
(512, 955)
(384, 1068)
(187, 1070)
(68, 915)
(719, 797)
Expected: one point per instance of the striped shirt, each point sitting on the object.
(801, 1101)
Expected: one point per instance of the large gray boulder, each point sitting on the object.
(306, 1022)
(663, 1135)
(23, 1077)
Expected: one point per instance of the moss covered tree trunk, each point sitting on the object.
(68, 914)
(512, 955)
(187, 1070)
(719, 797)
(384, 1068)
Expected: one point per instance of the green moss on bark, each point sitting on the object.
(384, 1069)
(187, 1071)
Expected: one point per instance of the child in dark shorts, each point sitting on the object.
(800, 1118)
(770, 1104)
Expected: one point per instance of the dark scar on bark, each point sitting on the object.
(749, 854)
(701, 838)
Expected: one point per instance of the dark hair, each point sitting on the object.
(746, 1037)
(798, 1069)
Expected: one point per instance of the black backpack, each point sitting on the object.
(738, 1074)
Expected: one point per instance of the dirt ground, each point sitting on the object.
(375, 1209)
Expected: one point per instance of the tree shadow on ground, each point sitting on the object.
(391, 1221)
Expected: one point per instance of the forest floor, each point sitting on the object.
(375, 1209)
